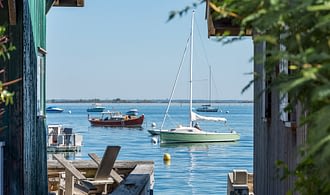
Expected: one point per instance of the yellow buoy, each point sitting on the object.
(167, 157)
(167, 163)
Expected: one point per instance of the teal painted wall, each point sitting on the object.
(25, 134)
(38, 19)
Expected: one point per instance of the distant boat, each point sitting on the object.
(96, 108)
(54, 109)
(63, 139)
(208, 107)
(116, 119)
(133, 112)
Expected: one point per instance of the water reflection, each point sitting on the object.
(197, 145)
(201, 162)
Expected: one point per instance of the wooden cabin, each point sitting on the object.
(23, 160)
(276, 135)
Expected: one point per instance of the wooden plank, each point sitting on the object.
(68, 3)
(113, 173)
(136, 185)
(137, 182)
(107, 162)
(89, 164)
(95, 158)
(69, 182)
(68, 166)
(80, 3)
(12, 12)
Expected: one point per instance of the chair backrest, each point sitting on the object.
(107, 162)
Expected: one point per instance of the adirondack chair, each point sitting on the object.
(76, 182)
(113, 173)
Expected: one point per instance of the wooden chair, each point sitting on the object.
(83, 185)
(113, 173)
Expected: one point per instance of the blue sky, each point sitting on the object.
(127, 49)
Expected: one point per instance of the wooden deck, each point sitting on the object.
(138, 176)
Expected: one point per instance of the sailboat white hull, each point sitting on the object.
(190, 135)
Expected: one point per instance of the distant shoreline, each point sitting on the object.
(142, 101)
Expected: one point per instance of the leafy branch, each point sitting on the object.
(6, 97)
(5, 45)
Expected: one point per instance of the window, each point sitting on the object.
(288, 117)
(41, 82)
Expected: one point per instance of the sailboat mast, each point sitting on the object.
(210, 87)
(191, 63)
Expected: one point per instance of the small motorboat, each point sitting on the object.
(54, 109)
(116, 119)
(96, 108)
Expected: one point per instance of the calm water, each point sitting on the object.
(194, 168)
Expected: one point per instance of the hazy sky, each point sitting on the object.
(127, 49)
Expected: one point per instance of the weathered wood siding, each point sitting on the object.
(35, 160)
(259, 133)
(25, 150)
(273, 141)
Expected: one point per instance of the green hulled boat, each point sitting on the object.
(193, 133)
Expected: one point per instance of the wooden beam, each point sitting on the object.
(12, 12)
(69, 3)
(80, 3)
(223, 26)
(69, 167)
(137, 182)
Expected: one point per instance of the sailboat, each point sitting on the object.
(192, 133)
(208, 107)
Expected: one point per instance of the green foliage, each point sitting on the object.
(5, 46)
(172, 14)
(6, 96)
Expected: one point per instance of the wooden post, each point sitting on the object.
(12, 12)
(69, 182)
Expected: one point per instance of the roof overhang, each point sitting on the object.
(64, 3)
(68, 3)
(222, 26)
